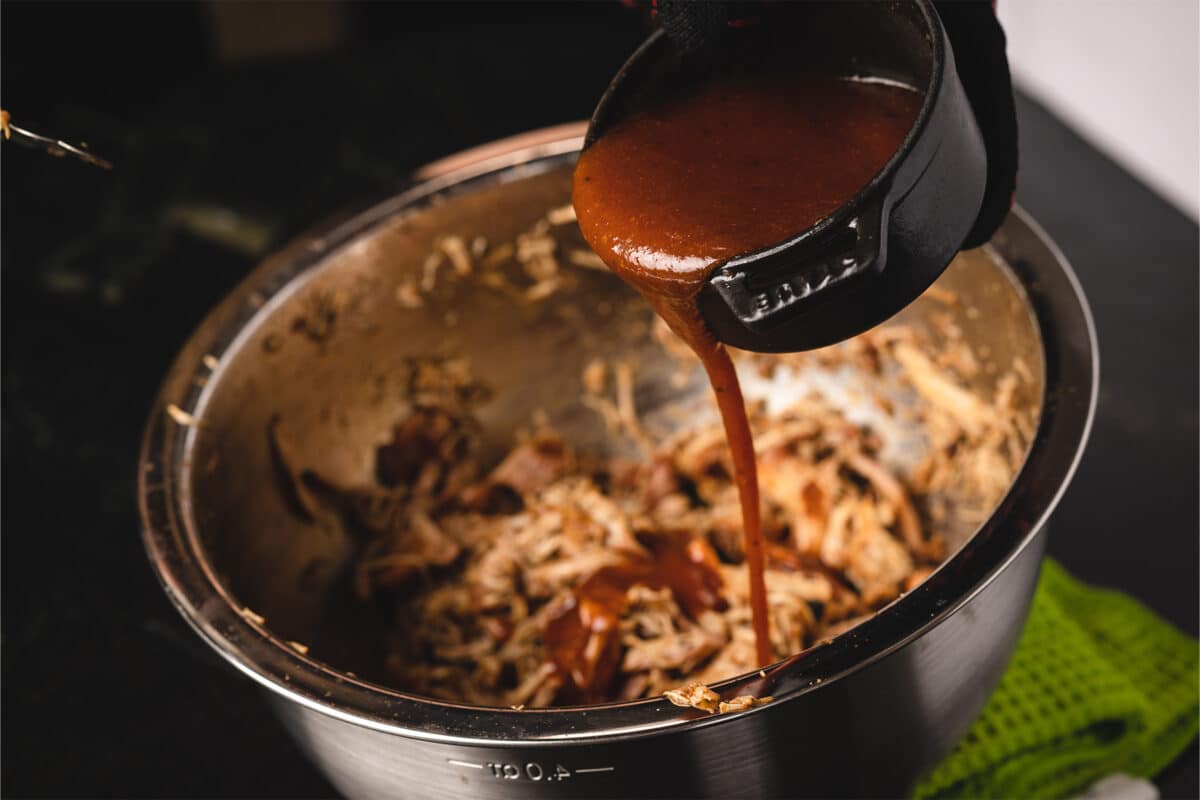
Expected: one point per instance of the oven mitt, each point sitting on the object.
(1098, 685)
(979, 55)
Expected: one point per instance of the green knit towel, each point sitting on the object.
(1098, 684)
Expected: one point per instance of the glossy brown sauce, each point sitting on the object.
(733, 167)
(583, 639)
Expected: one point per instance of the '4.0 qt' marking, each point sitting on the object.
(529, 771)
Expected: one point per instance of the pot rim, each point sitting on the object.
(178, 560)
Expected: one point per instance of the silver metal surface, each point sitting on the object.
(51, 146)
(864, 714)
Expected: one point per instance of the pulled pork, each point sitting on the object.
(555, 578)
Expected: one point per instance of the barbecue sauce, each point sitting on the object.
(735, 166)
(583, 639)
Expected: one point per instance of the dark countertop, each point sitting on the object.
(106, 692)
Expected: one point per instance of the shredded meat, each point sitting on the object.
(742, 703)
(694, 695)
(485, 564)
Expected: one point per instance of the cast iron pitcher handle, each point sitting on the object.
(778, 283)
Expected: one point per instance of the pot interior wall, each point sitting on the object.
(328, 361)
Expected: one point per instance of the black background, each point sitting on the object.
(105, 690)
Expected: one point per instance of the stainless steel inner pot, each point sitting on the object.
(317, 337)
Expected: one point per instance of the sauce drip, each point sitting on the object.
(734, 166)
(583, 640)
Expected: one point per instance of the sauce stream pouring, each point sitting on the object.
(672, 191)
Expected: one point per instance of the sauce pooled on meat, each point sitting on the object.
(583, 640)
(730, 168)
